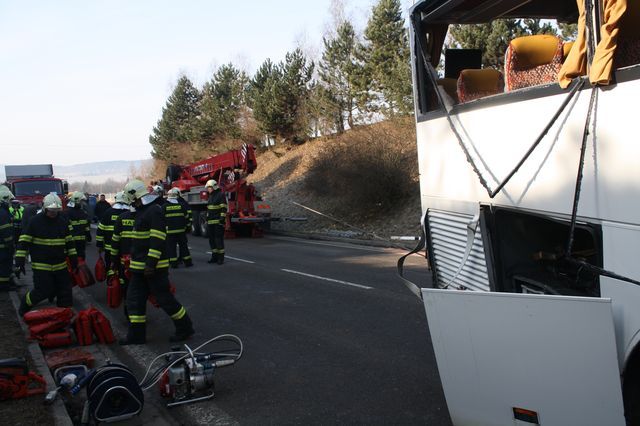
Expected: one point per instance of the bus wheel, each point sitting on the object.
(631, 391)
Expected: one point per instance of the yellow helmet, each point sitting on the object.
(211, 184)
(5, 194)
(52, 202)
(77, 196)
(135, 189)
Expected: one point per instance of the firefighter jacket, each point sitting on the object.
(216, 208)
(123, 234)
(176, 216)
(79, 221)
(149, 238)
(6, 230)
(17, 213)
(49, 241)
(187, 207)
(105, 228)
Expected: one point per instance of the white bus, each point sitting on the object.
(530, 191)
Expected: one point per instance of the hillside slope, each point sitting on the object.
(280, 179)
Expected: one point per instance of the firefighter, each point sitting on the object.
(105, 229)
(79, 221)
(48, 239)
(6, 240)
(183, 257)
(177, 218)
(17, 214)
(149, 268)
(216, 218)
(121, 247)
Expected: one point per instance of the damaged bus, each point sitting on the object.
(530, 191)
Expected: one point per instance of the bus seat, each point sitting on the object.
(566, 48)
(532, 60)
(450, 87)
(628, 49)
(474, 84)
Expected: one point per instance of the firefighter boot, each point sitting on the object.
(220, 259)
(214, 258)
(136, 335)
(184, 329)
(188, 263)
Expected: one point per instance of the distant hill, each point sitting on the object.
(96, 172)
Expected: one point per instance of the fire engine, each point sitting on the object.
(247, 215)
(30, 183)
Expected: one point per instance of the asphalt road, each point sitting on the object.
(330, 334)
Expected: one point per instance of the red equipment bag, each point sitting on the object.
(101, 326)
(47, 314)
(82, 328)
(55, 340)
(73, 356)
(126, 263)
(16, 381)
(39, 330)
(114, 291)
(83, 277)
(152, 299)
(100, 269)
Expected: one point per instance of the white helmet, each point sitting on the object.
(211, 184)
(5, 194)
(158, 189)
(121, 198)
(76, 198)
(173, 193)
(52, 202)
(136, 189)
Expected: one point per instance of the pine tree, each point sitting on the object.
(262, 97)
(178, 119)
(386, 52)
(339, 71)
(222, 100)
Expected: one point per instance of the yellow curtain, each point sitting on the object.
(576, 63)
(602, 66)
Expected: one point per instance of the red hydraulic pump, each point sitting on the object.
(247, 214)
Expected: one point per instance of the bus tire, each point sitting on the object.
(631, 389)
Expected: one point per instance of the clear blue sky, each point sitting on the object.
(85, 81)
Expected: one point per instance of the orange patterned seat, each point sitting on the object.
(532, 60)
(475, 84)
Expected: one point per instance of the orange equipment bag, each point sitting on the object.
(114, 291)
(83, 277)
(100, 269)
(47, 314)
(101, 326)
(39, 330)
(82, 328)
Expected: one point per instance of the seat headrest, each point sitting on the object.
(566, 48)
(535, 50)
(483, 80)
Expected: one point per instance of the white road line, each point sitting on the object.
(328, 279)
(330, 244)
(238, 259)
(234, 258)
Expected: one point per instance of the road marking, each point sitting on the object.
(341, 245)
(328, 279)
(233, 258)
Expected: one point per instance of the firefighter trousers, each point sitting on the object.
(48, 284)
(139, 289)
(6, 263)
(176, 241)
(81, 248)
(216, 241)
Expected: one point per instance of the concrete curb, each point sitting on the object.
(60, 415)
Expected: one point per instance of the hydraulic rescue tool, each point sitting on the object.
(16, 381)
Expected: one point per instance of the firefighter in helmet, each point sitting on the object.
(17, 213)
(149, 268)
(48, 239)
(121, 242)
(6, 239)
(105, 229)
(178, 220)
(79, 221)
(216, 219)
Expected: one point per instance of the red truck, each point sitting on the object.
(30, 183)
(247, 213)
